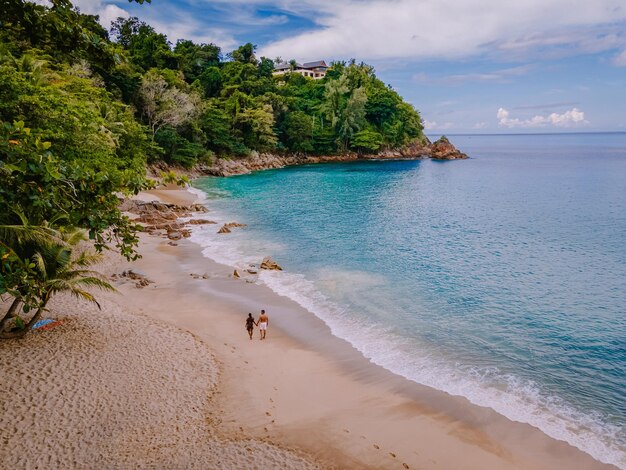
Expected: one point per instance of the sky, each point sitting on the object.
(468, 66)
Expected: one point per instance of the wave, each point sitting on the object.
(517, 399)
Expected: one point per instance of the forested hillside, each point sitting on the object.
(192, 101)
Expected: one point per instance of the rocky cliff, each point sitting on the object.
(442, 149)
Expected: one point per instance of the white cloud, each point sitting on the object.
(500, 75)
(448, 29)
(433, 125)
(106, 11)
(620, 59)
(181, 25)
(572, 118)
(110, 13)
(479, 125)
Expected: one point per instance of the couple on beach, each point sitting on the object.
(262, 323)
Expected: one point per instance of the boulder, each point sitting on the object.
(198, 208)
(444, 150)
(201, 222)
(269, 263)
(233, 225)
(174, 235)
(236, 274)
(224, 229)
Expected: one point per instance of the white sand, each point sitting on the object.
(115, 390)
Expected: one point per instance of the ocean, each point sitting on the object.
(501, 278)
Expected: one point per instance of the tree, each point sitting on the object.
(335, 99)
(256, 126)
(36, 182)
(245, 54)
(266, 67)
(147, 48)
(297, 132)
(165, 105)
(352, 118)
(50, 265)
(217, 127)
(367, 140)
(194, 59)
(382, 105)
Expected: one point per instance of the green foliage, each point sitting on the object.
(147, 48)
(255, 125)
(245, 54)
(45, 264)
(171, 177)
(177, 149)
(36, 182)
(367, 140)
(194, 59)
(297, 132)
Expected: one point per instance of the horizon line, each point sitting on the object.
(523, 133)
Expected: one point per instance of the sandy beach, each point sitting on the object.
(165, 376)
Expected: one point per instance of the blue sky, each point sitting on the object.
(466, 65)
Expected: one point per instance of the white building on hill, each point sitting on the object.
(314, 70)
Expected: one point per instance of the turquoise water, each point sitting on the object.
(501, 278)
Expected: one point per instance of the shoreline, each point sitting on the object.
(180, 359)
(482, 427)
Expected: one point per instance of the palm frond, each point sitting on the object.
(10, 235)
(40, 263)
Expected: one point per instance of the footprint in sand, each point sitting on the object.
(405, 465)
(392, 454)
(271, 401)
(345, 430)
(376, 447)
(363, 437)
(268, 413)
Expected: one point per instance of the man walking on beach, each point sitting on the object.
(263, 322)
(250, 324)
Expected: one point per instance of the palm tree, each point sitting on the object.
(52, 265)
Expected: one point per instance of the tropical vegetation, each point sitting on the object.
(84, 109)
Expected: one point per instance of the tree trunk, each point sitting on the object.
(29, 325)
(10, 313)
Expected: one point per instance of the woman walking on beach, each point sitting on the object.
(250, 324)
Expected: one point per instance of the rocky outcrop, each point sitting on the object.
(444, 150)
(267, 161)
(201, 222)
(139, 278)
(440, 150)
(164, 219)
(226, 227)
(269, 263)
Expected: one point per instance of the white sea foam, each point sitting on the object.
(518, 400)
(200, 195)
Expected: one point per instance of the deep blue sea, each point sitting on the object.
(501, 278)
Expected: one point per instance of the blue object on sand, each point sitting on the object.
(40, 323)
